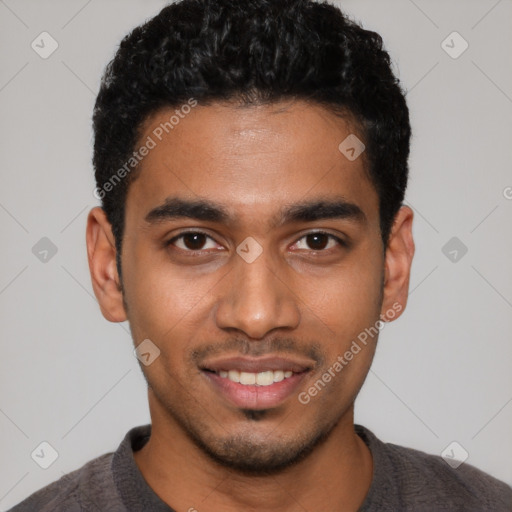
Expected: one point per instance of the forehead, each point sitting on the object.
(252, 160)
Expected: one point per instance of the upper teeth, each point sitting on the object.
(260, 379)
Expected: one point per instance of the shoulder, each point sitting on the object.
(421, 481)
(463, 487)
(76, 491)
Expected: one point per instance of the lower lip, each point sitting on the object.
(252, 396)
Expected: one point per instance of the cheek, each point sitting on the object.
(349, 299)
(161, 300)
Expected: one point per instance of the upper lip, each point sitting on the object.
(258, 365)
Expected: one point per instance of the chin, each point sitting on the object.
(244, 454)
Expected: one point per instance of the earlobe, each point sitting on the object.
(398, 261)
(101, 254)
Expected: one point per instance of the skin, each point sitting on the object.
(292, 300)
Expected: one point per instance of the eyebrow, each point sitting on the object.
(305, 211)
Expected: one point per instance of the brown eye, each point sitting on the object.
(192, 241)
(319, 242)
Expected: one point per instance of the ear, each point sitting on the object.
(101, 252)
(399, 255)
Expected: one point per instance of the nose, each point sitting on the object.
(257, 299)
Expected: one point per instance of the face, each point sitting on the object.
(252, 258)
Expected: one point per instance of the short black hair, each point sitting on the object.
(256, 52)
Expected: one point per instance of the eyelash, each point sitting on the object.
(170, 242)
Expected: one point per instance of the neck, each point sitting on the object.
(335, 476)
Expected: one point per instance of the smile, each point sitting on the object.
(266, 378)
(256, 383)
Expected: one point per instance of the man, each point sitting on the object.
(251, 159)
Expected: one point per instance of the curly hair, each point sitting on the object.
(255, 52)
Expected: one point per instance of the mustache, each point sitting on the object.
(252, 348)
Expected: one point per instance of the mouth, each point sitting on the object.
(256, 384)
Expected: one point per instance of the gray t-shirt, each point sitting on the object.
(403, 480)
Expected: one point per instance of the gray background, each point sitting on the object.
(441, 373)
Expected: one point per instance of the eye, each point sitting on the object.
(191, 241)
(319, 241)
